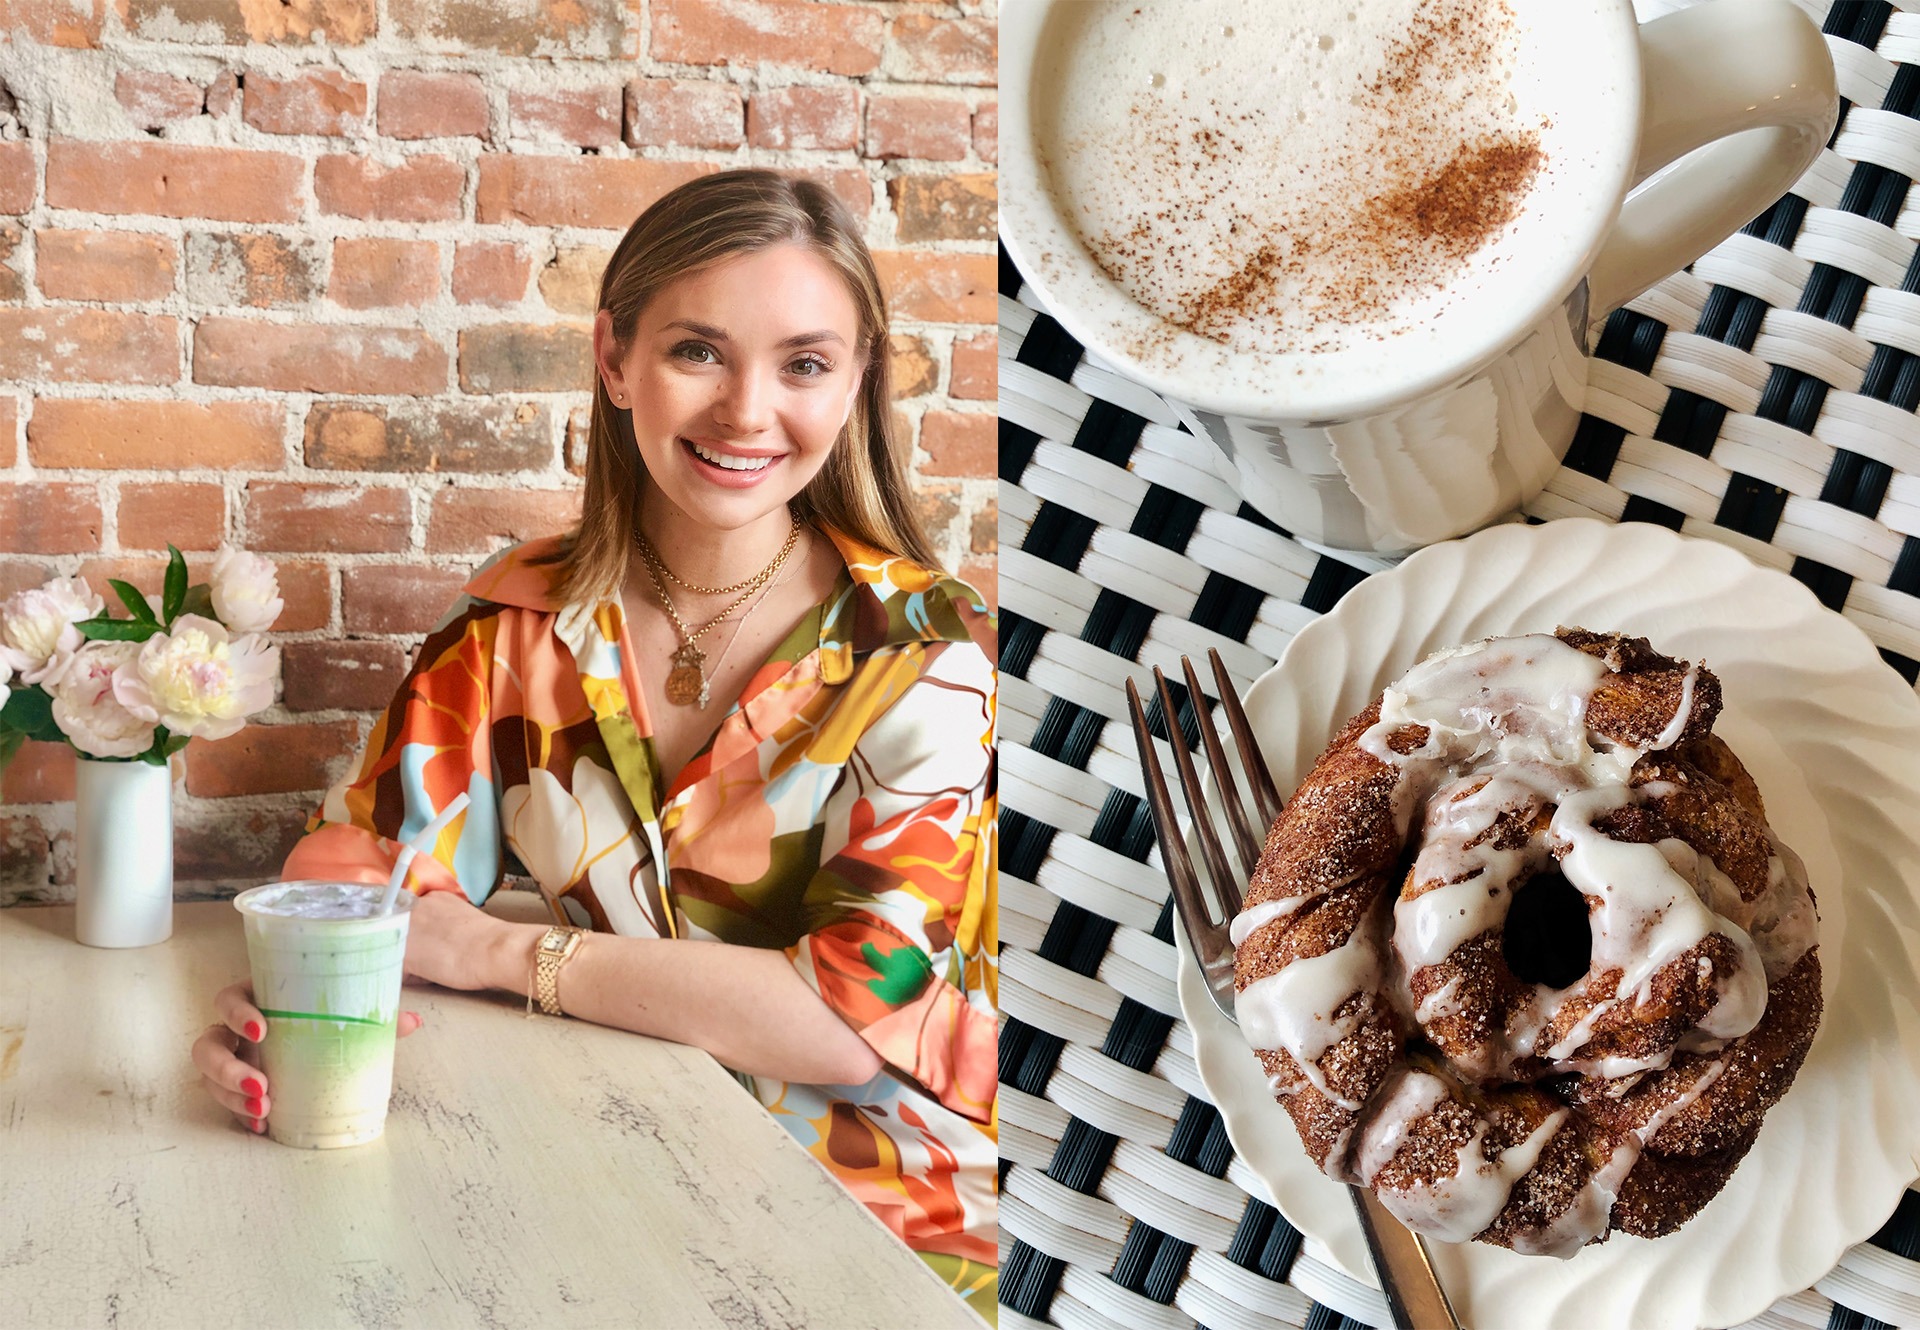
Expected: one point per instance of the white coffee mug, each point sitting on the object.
(1426, 437)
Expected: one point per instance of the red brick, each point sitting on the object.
(71, 23)
(271, 759)
(470, 521)
(924, 49)
(74, 345)
(318, 101)
(155, 435)
(17, 575)
(40, 773)
(374, 272)
(220, 841)
(9, 428)
(959, 443)
(939, 288)
(849, 182)
(986, 131)
(603, 192)
(585, 117)
(224, 23)
(396, 598)
(114, 266)
(549, 28)
(190, 516)
(423, 189)
(17, 173)
(260, 271)
(526, 357)
(837, 39)
(341, 676)
(664, 113)
(913, 369)
(327, 519)
(488, 437)
(222, 92)
(49, 517)
(985, 538)
(939, 507)
(804, 117)
(308, 590)
(570, 282)
(154, 100)
(175, 180)
(976, 370)
(329, 358)
(491, 272)
(930, 129)
(415, 104)
(982, 573)
(13, 286)
(944, 207)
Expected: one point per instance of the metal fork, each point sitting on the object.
(1400, 1258)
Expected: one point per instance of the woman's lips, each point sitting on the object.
(735, 476)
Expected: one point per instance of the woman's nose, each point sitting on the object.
(744, 405)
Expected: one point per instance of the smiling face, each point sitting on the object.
(738, 380)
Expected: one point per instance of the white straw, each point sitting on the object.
(422, 840)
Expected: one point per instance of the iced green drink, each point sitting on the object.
(326, 972)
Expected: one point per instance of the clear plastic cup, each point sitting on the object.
(328, 982)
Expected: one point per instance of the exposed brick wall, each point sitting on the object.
(315, 278)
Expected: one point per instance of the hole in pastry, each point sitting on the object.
(1547, 940)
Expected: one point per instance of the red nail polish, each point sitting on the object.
(255, 1105)
(255, 1031)
(257, 1126)
(252, 1086)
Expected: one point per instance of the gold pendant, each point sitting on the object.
(687, 682)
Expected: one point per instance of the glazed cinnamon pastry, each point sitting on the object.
(1522, 955)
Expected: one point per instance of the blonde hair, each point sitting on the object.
(862, 489)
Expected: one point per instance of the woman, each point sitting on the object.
(737, 724)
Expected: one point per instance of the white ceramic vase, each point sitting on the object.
(123, 872)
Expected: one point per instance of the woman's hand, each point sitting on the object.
(225, 1053)
(452, 943)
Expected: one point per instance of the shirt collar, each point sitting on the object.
(881, 600)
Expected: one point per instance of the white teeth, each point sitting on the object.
(728, 463)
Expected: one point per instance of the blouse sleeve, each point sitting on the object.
(899, 915)
(431, 742)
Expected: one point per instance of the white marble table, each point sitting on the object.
(533, 1173)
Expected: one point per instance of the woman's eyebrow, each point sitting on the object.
(713, 334)
(810, 338)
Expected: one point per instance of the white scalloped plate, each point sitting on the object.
(1832, 737)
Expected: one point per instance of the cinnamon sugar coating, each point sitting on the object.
(1481, 1104)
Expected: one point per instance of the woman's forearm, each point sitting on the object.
(745, 1005)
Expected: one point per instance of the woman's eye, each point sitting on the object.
(698, 353)
(809, 367)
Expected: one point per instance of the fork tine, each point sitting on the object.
(1265, 797)
(1243, 839)
(1226, 887)
(1173, 848)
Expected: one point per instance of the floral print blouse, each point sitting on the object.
(843, 812)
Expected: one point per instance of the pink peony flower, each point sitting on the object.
(198, 680)
(246, 591)
(37, 633)
(86, 709)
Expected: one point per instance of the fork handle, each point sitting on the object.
(1414, 1296)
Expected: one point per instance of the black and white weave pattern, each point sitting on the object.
(1765, 399)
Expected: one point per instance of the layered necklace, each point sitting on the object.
(687, 680)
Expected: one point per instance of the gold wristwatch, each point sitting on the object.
(556, 949)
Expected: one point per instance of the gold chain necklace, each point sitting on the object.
(687, 680)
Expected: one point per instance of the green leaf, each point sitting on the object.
(199, 601)
(29, 712)
(10, 741)
(104, 629)
(135, 602)
(176, 592)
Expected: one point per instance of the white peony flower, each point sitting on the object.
(198, 680)
(37, 633)
(6, 673)
(246, 591)
(86, 710)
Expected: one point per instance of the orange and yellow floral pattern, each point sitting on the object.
(843, 812)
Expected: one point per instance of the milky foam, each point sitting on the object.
(322, 900)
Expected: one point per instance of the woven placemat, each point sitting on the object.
(1764, 399)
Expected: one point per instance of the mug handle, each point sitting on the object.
(1708, 73)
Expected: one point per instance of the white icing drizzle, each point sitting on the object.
(1682, 713)
(1255, 917)
(1293, 1008)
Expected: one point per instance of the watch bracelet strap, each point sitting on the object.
(543, 984)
